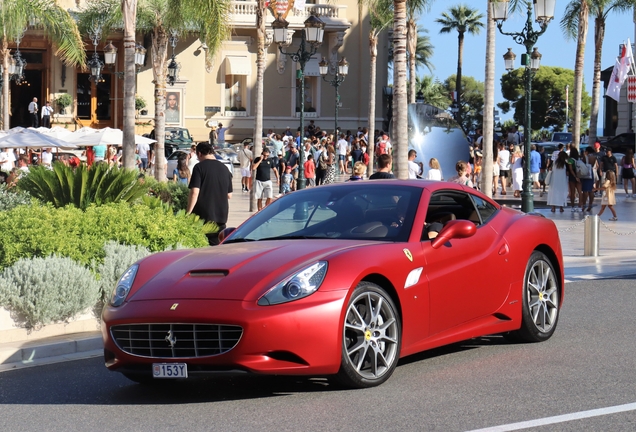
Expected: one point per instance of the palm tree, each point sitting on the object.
(423, 53)
(129, 14)
(260, 72)
(413, 10)
(489, 105)
(433, 91)
(400, 106)
(381, 16)
(160, 18)
(600, 9)
(56, 23)
(462, 19)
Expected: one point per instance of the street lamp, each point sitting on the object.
(110, 57)
(544, 12)
(173, 66)
(17, 64)
(341, 73)
(312, 35)
(95, 64)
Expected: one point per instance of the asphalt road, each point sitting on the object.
(589, 364)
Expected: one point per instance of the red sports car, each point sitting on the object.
(339, 280)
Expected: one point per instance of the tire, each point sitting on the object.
(371, 338)
(540, 302)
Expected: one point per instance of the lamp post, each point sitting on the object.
(544, 12)
(341, 73)
(110, 57)
(312, 35)
(95, 64)
(17, 64)
(173, 66)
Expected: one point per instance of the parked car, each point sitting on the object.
(562, 137)
(176, 138)
(620, 143)
(228, 151)
(174, 157)
(340, 280)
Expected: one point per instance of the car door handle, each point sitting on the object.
(503, 250)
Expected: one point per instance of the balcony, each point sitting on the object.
(243, 15)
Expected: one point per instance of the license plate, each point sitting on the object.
(169, 370)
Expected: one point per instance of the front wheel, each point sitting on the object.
(541, 293)
(371, 338)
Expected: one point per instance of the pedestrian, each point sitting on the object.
(330, 177)
(192, 157)
(293, 162)
(609, 194)
(385, 164)
(343, 149)
(587, 182)
(143, 149)
(181, 173)
(414, 168)
(221, 133)
(33, 112)
(543, 169)
(213, 137)
(310, 170)
(535, 165)
(517, 171)
(435, 170)
(263, 188)
(288, 179)
(558, 182)
(503, 160)
(462, 176)
(574, 182)
(46, 157)
(245, 162)
(608, 163)
(628, 172)
(359, 170)
(47, 112)
(210, 190)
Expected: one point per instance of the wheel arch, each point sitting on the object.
(384, 283)
(547, 251)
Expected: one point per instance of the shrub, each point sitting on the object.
(173, 193)
(82, 186)
(10, 198)
(41, 291)
(117, 259)
(42, 230)
(64, 100)
(140, 103)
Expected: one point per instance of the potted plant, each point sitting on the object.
(63, 101)
(140, 104)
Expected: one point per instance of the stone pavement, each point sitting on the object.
(617, 257)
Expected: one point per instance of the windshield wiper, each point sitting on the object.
(238, 240)
(296, 237)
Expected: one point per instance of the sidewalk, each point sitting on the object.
(617, 257)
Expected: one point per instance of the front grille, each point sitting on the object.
(176, 340)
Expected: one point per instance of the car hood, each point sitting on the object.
(240, 271)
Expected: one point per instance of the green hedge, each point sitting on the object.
(173, 193)
(35, 230)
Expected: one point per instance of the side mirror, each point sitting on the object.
(454, 229)
(224, 233)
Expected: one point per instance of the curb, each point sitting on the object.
(16, 355)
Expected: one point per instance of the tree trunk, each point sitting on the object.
(578, 72)
(599, 35)
(159, 68)
(489, 105)
(458, 78)
(411, 43)
(400, 106)
(373, 51)
(260, 71)
(6, 85)
(129, 10)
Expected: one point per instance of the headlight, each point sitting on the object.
(123, 286)
(295, 287)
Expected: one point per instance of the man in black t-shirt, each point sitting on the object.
(263, 188)
(385, 163)
(608, 163)
(210, 190)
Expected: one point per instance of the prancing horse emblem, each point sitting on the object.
(171, 339)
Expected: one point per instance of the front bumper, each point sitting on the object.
(303, 337)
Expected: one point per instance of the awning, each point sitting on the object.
(235, 65)
(311, 67)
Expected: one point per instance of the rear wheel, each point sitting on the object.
(541, 293)
(371, 338)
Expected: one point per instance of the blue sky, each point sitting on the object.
(556, 50)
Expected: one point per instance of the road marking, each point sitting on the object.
(559, 419)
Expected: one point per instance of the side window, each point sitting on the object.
(484, 208)
(445, 206)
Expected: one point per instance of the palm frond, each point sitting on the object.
(570, 21)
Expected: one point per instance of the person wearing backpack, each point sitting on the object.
(574, 182)
(587, 182)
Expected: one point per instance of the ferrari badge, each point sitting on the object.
(174, 306)
(408, 254)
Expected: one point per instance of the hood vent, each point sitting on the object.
(209, 273)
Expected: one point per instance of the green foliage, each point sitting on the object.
(41, 291)
(64, 100)
(472, 100)
(548, 97)
(43, 230)
(173, 193)
(117, 259)
(140, 103)
(10, 198)
(82, 186)
(434, 92)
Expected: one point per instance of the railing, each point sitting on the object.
(246, 11)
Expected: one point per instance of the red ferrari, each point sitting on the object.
(339, 280)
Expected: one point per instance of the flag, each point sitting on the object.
(625, 62)
(614, 86)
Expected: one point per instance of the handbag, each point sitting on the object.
(548, 178)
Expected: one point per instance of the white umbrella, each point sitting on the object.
(58, 132)
(15, 129)
(27, 138)
(107, 136)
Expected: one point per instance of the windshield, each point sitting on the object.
(564, 137)
(357, 210)
(177, 135)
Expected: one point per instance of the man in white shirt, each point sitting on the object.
(47, 112)
(503, 160)
(47, 157)
(342, 146)
(221, 133)
(414, 168)
(6, 162)
(245, 157)
(514, 137)
(33, 112)
(143, 149)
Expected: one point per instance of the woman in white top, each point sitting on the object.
(517, 171)
(435, 171)
(558, 192)
(192, 158)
